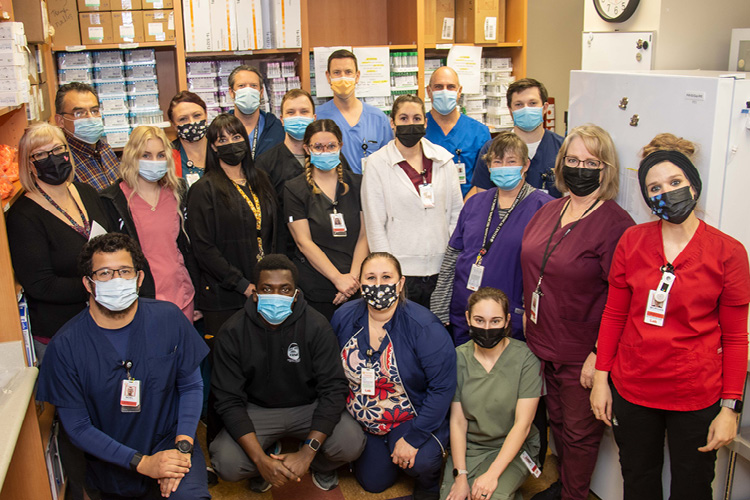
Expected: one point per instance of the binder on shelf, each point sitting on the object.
(28, 343)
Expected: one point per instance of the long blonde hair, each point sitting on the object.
(129, 169)
(38, 134)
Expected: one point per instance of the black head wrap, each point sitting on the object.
(676, 158)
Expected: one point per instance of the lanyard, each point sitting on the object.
(255, 141)
(546, 255)
(487, 244)
(84, 230)
(255, 208)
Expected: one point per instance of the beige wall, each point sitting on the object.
(554, 48)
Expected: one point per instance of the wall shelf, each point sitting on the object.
(117, 46)
(8, 109)
(17, 192)
(240, 53)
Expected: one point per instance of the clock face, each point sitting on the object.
(615, 11)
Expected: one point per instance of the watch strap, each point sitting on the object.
(733, 404)
(457, 472)
(135, 461)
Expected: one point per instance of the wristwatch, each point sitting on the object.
(456, 472)
(314, 444)
(135, 461)
(184, 446)
(733, 404)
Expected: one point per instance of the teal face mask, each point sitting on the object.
(275, 308)
(325, 161)
(506, 178)
(295, 126)
(89, 130)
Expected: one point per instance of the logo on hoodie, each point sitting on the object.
(292, 353)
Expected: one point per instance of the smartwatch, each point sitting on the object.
(314, 444)
(184, 446)
(733, 404)
(456, 472)
(135, 461)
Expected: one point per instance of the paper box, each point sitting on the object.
(33, 15)
(480, 21)
(96, 28)
(223, 24)
(94, 5)
(127, 26)
(440, 27)
(126, 5)
(287, 17)
(249, 25)
(158, 25)
(196, 19)
(63, 16)
(157, 4)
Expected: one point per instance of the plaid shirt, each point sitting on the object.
(96, 165)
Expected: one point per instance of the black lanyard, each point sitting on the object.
(547, 255)
(255, 140)
(487, 244)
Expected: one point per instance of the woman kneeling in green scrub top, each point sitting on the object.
(499, 385)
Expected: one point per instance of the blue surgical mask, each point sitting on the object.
(247, 100)
(506, 178)
(295, 126)
(325, 161)
(116, 294)
(89, 130)
(275, 308)
(152, 171)
(528, 118)
(444, 101)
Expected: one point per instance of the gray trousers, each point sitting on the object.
(344, 445)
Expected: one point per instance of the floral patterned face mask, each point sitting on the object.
(192, 132)
(380, 296)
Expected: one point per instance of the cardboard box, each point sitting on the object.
(480, 21)
(158, 25)
(96, 28)
(440, 28)
(157, 4)
(196, 19)
(63, 16)
(33, 15)
(94, 6)
(127, 26)
(126, 5)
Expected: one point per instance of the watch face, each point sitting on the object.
(615, 11)
(184, 446)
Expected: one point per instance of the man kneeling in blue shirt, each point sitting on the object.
(124, 377)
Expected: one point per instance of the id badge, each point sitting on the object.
(428, 195)
(192, 179)
(475, 277)
(461, 173)
(130, 397)
(656, 308)
(534, 311)
(530, 464)
(368, 381)
(364, 163)
(338, 226)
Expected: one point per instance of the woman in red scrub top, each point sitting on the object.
(565, 256)
(674, 334)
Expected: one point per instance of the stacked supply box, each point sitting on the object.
(14, 76)
(496, 76)
(125, 21)
(203, 79)
(126, 83)
(280, 78)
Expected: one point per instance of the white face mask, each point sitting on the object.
(116, 294)
(152, 171)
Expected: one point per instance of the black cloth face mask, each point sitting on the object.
(487, 338)
(232, 154)
(55, 169)
(409, 135)
(581, 181)
(380, 296)
(192, 132)
(673, 206)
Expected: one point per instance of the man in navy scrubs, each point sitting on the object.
(124, 377)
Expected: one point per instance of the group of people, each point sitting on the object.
(389, 292)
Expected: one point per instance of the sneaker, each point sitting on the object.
(259, 485)
(554, 492)
(326, 481)
(213, 479)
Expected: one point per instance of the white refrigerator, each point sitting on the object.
(707, 107)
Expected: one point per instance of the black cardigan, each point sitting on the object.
(121, 221)
(225, 244)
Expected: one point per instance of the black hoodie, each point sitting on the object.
(294, 365)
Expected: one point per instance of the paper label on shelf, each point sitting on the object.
(96, 33)
(127, 31)
(93, 3)
(126, 46)
(443, 46)
(75, 48)
(170, 22)
(446, 33)
(155, 29)
(490, 28)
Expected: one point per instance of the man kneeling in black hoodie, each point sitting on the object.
(277, 373)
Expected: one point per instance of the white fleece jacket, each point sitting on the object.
(395, 217)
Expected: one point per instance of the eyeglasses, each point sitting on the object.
(43, 155)
(85, 113)
(331, 147)
(572, 161)
(126, 273)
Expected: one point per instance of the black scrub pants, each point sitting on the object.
(640, 435)
(419, 289)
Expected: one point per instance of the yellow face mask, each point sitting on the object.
(343, 87)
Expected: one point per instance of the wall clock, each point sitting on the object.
(615, 11)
